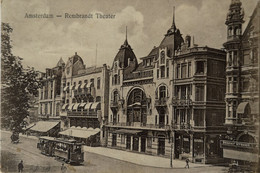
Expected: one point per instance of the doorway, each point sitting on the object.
(143, 144)
(161, 146)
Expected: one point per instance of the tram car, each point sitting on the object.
(46, 144)
(67, 150)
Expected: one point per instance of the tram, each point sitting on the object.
(67, 150)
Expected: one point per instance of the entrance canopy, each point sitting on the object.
(44, 126)
(128, 131)
(80, 132)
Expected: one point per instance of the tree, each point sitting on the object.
(17, 84)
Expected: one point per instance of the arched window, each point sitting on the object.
(115, 96)
(162, 92)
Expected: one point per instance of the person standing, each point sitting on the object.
(63, 168)
(187, 163)
(20, 166)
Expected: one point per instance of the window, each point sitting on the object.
(199, 93)
(183, 70)
(183, 92)
(167, 72)
(189, 69)
(182, 116)
(229, 58)
(162, 92)
(200, 67)
(98, 83)
(162, 71)
(178, 71)
(167, 63)
(115, 79)
(155, 119)
(198, 117)
(235, 58)
(122, 139)
(158, 73)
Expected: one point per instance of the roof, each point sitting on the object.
(125, 52)
(60, 63)
(80, 132)
(44, 126)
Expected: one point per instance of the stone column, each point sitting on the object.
(191, 146)
(131, 146)
(139, 146)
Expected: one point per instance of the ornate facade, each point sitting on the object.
(165, 104)
(242, 96)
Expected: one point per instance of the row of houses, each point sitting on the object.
(192, 102)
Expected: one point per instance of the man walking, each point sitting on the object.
(187, 163)
(63, 168)
(20, 166)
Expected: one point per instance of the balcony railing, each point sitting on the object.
(182, 126)
(143, 74)
(181, 102)
(82, 113)
(138, 124)
(236, 144)
(114, 104)
(161, 102)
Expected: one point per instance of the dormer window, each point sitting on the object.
(162, 57)
(115, 68)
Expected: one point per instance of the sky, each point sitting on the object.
(42, 42)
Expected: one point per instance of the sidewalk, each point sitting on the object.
(140, 159)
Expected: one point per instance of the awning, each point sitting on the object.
(83, 86)
(254, 107)
(127, 131)
(87, 106)
(70, 106)
(65, 88)
(89, 84)
(44, 126)
(75, 107)
(77, 87)
(80, 133)
(94, 105)
(241, 107)
(72, 87)
(65, 106)
(82, 104)
(29, 126)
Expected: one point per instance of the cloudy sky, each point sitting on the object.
(42, 42)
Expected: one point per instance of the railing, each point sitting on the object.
(82, 113)
(114, 104)
(138, 124)
(143, 74)
(236, 144)
(181, 102)
(161, 102)
(182, 126)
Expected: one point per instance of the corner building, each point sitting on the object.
(163, 104)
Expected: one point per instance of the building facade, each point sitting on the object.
(242, 96)
(49, 94)
(166, 104)
(84, 93)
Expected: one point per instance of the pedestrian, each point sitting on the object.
(20, 166)
(187, 163)
(63, 168)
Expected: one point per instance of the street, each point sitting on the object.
(34, 161)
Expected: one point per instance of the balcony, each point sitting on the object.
(139, 125)
(162, 102)
(142, 74)
(86, 114)
(182, 126)
(114, 104)
(181, 102)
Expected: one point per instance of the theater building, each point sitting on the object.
(242, 93)
(140, 95)
(84, 94)
(168, 98)
(198, 102)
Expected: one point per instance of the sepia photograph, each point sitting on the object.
(140, 86)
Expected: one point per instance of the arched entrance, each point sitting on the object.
(136, 107)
